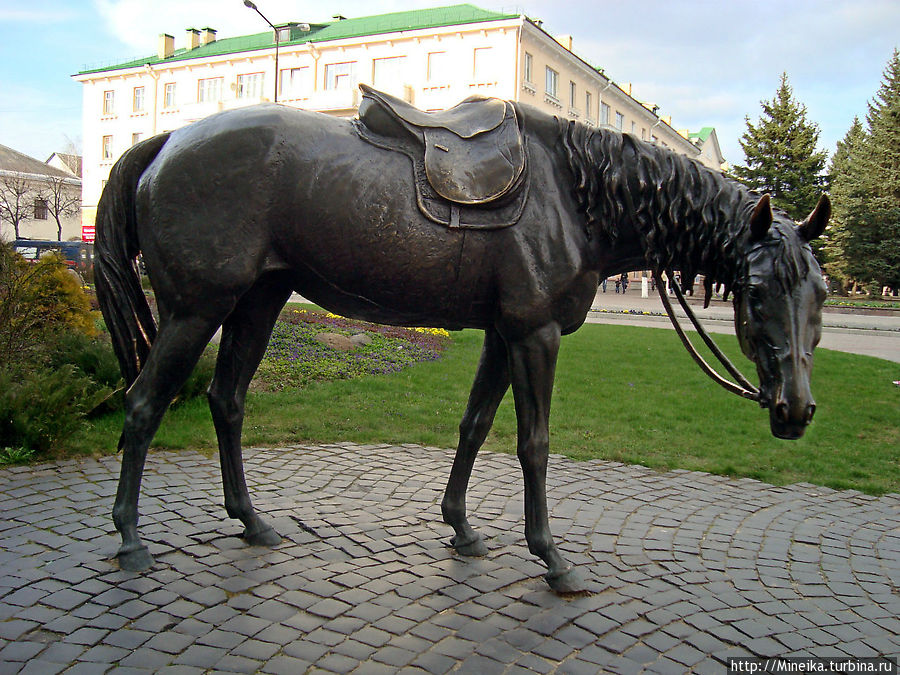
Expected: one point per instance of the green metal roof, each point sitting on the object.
(347, 28)
(703, 134)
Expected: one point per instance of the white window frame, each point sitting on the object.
(209, 89)
(551, 82)
(389, 72)
(169, 95)
(340, 75)
(438, 68)
(137, 99)
(106, 151)
(604, 113)
(529, 68)
(295, 82)
(483, 64)
(250, 85)
(109, 102)
(620, 121)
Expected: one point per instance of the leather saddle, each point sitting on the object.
(468, 161)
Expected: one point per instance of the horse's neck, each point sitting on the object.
(689, 218)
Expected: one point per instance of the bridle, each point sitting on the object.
(743, 387)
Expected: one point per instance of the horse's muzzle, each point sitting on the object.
(789, 420)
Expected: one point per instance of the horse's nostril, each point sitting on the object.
(782, 413)
(810, 411)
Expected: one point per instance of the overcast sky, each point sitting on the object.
(704, 62)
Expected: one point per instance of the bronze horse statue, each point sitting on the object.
(492, 215)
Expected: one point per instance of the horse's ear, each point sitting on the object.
(761, 218)
(815, 222)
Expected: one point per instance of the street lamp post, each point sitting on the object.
(252, 5)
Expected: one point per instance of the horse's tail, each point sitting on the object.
(122, 300)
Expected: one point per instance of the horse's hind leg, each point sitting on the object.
(245, 335)
(491, 383)
(532, 368)
(175, 352)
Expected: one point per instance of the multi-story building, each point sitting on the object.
(432, 58)
(38, 200)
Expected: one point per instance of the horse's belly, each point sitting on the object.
(364, 249)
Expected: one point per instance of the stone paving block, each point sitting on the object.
(685, 568)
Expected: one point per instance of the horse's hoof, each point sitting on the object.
(135, 559)
(472, 548)
(265, 537)
(565, 582)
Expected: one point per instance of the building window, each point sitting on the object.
(136, 138)
(109, 102)
(209, 90)
(604, 113)
(138, 99)
(483, 65)
(572, 93)
(438, 68)
(169, 98)
(552, 82)
(389, 72)
(295, 82)
(529, 68)
(250, 85)
(40, 209)
(587, 103)
(340, 75)
(107, 148)
(620, 121)
(634, 127)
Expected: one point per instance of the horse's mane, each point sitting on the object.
(689, 217)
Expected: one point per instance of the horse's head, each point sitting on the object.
(778, 312)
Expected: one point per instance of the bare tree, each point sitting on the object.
(16, 199)
(61, 199)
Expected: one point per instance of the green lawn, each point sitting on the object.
(622, 393)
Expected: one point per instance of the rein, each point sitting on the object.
(744, 387)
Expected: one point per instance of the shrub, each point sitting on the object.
(40, 407)
(37, 301)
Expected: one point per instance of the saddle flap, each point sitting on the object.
(478, 170)
(473, 116)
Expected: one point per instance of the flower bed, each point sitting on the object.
(294, 357)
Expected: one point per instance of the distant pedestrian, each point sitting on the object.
(624, 283)
(604, 284)
(618, 284)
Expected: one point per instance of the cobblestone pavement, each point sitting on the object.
(686, 569)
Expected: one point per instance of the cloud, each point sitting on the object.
(137, 23)
(42, 15)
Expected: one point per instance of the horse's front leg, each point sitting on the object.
(532, 367)
(491, 383)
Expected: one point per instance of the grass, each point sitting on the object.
(622, 393)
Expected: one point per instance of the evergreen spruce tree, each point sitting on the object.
(781, 154)
(847, 198)
(866, 191)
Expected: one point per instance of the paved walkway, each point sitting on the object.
(686, 570)
(857, 332)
